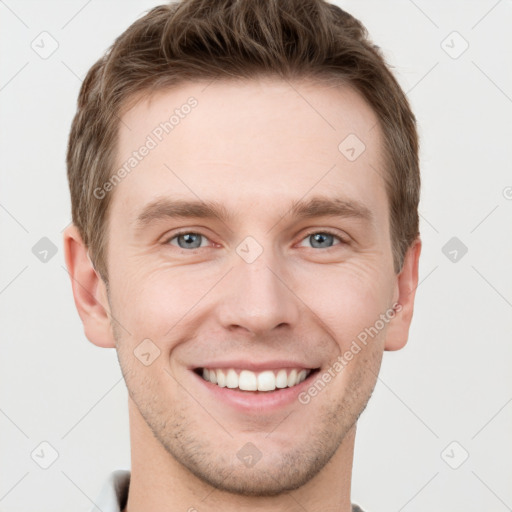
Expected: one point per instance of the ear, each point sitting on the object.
(407, 282)
(89, 290)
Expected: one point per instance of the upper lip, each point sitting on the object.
(255, 366)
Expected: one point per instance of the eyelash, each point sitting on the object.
(313, 232)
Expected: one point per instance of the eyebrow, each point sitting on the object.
(318, 206)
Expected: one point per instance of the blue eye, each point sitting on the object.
(322, 239)
(191, 240)
(188, 240)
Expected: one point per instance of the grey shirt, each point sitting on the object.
(114, 494)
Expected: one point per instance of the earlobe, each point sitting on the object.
(407, 282)
(89, 290)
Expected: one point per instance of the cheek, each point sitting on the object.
(150, 303)
(346, 299)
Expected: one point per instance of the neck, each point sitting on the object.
(158, 482)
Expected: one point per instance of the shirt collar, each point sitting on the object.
(114, 493)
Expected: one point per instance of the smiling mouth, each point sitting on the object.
(247, 380)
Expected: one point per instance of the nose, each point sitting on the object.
(257, 297)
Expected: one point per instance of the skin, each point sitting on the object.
(254, 146)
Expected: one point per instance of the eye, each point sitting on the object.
(187, 240)
(322, 239)
(192, 240)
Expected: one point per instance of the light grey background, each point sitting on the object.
(452, 382)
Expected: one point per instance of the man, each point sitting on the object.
(244, 181)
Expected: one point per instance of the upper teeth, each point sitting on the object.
(246, 380)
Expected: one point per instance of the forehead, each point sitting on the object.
(250, 143)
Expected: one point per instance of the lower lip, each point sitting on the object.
(253, 401)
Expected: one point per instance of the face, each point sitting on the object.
(250, 243)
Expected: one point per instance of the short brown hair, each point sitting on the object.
(223, 39)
